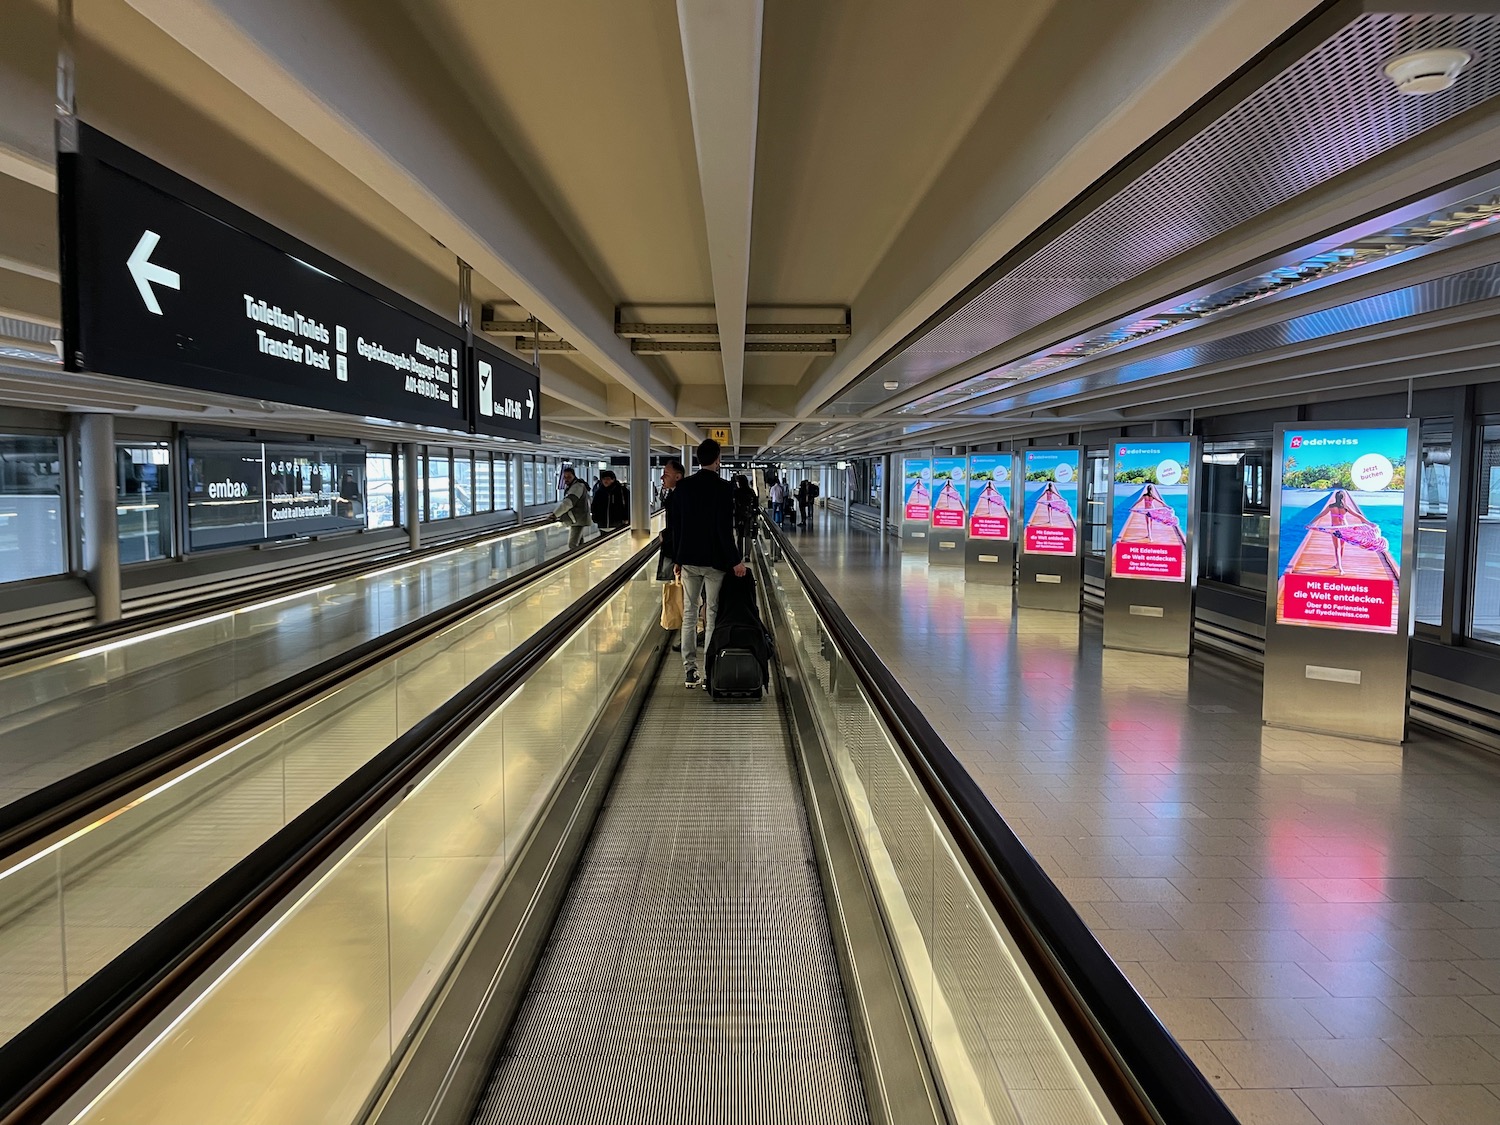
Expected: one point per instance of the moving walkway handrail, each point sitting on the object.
(31, 819)
(52, 1059)
(87, 636)
(1145, 1072)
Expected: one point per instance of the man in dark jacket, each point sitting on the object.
(703, 548)
(611, 506)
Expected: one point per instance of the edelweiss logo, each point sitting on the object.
(1297, 442)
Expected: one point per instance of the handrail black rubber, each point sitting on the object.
(36, 816)
(88, 635)
(51, 1059)
(1146, 1073)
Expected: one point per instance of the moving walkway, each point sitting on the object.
(576, 891)
(92, 863)
(65, 711)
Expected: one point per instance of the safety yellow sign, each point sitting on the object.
(720, 434)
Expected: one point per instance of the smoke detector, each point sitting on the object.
(1427, 72)
(891, 385)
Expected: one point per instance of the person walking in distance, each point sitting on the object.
(573, 510)
(778, 500)
(611, 504)
(703, 548)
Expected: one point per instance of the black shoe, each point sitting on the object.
(677, 647)
(691, 680)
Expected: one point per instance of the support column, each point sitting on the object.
(411, 463)
(885, 493)
(101, 537)
(687, 459)
(640, 476)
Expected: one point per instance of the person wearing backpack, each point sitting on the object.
(703, 548)
(573, 510)
(611, 506)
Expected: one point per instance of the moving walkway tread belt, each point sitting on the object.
(32, 818)
(48, 1062)
(691, 973)
(88, 635)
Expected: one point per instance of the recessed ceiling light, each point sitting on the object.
(892, 385)
(1427, 72)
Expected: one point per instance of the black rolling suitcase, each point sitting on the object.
(738, 657)
(735, 670)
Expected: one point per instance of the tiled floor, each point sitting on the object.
(1317, 919)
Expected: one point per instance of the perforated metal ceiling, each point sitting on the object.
(1329, 112)
(1482, 284)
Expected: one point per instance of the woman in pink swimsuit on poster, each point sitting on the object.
(948, 499)
(990, 503)
(1049, 502)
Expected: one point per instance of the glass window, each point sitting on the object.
(1095, 502)
(380, 490)
(1432, 517)
(505, 496)
(463, 483)
(143, 500)
(32, 535)
(1236, 522)
(249, 491)
(438, 495)
(1484, 623)
(533, 480)
(484, 500)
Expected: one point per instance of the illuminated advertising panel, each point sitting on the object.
(1051, 502)
(1149, 523)
(990, 495)
(1342, 514)
(916, 488)
(949, 492)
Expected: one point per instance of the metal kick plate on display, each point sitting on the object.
(1054, 579)
(1146, 611)
(989, 558)
(1334, 675)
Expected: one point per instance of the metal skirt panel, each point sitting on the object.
(691, 976)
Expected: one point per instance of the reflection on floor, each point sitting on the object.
(1317, 919)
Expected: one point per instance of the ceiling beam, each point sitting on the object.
(343, 77)
(721, 44)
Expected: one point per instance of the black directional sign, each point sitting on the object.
(507, 394)
(167, 282)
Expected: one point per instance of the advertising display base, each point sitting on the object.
(914, 531)
(1152, 617)
(1339, 607)
(945, 546)
(1329, 682)
(1050, 582)
(990, 562)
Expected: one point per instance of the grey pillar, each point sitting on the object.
(411, 463)
(640, 475)
(687, 458)
(516, 489)
(101, 535)
(885, 492)
(848, 494)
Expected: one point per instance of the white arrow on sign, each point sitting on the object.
(530, 405)
(145, 271)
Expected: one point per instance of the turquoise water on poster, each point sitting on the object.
(1126, 495)
(1299, 507)
(949, 488)
(1060, 467)
(1068, 493)
(1317, 463)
